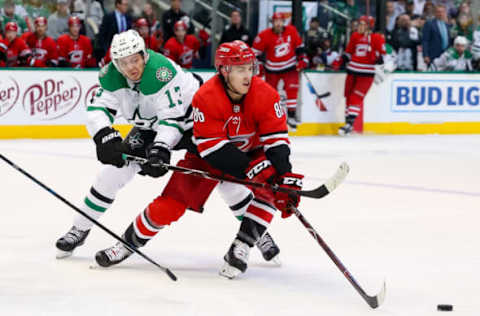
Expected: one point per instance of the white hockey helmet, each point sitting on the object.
(460, 40)
(125, 44)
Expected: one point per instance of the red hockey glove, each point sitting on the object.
(204, 36)
(260, 170)
(337, 63)
(284, 200)
(302, 64)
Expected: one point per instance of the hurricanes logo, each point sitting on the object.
(164, 74)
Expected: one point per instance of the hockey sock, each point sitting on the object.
(255, 221)
(95, 205)
(240, 208)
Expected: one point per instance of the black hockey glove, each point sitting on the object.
(157, 155)
(109, 147)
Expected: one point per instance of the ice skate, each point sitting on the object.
(269, 249)
(236, 260)
(113, 255)
(345, 130)
(71, 240)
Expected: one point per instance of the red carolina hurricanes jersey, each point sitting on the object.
(258, 121)
(44, 50)
(364, 51)
(13, 49)
(77, 52)
(279, 49)
(182, 53)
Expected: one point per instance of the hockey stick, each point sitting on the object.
(320, 96)
(108, 231)
(316, 193)
(373, 301)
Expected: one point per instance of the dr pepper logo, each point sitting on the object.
(9, 93)
(52, 98)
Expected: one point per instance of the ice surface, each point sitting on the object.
(409, 212)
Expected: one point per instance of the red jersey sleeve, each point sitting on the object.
(207, 126)
(259, 44)
(271, 119)
(52, 54)
(350, 50)
(379, 45)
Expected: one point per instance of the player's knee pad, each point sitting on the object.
(111, 179)
(165, 210)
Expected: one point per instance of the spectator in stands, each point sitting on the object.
(112, 23)
(235, 30)
(183, 47)
(476, 48)
(405, 40)
(34, 10)
(324, 15)
(400, 7)
(314, 37)
(9, 15)
(456, 58)
(153, 23)
(14, 51)
(58, 22)
(428, 10)
(463, 27)
(19, 9)
(75, 50)
(436, 35)
(171, 16)
(325, 55)
(43, 47)
(390, 16)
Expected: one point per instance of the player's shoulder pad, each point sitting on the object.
(111, 79)
(159, 71)
(209, 92)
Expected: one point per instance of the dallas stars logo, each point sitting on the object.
(164, 74)
(142, 122)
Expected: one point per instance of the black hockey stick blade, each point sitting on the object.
(323, 95)
(331, 184)
(98, 224)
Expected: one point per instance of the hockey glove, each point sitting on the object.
(302, 63)
(157, 155)
(283, 200)
(109, 147)
(260, 170)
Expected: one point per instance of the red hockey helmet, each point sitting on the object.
(40, 21)
(278, 16)
(141, 23)
(369, 20)
(180, 24)
(74, 20)
(234, 53)
(11, 26)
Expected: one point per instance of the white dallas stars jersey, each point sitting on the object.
(161, 101)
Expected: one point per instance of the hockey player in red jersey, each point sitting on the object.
(285, 57)
(43, 47)
(14, 52)
(240, 130)
(75, 50)
(182, 48)
(151, 41)
(364, 52)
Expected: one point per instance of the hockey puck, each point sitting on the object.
(445, 307)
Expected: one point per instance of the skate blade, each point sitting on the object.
(229, 272)
(63, 254)
(276, 261)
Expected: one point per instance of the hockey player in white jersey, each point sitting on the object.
(154, 95)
